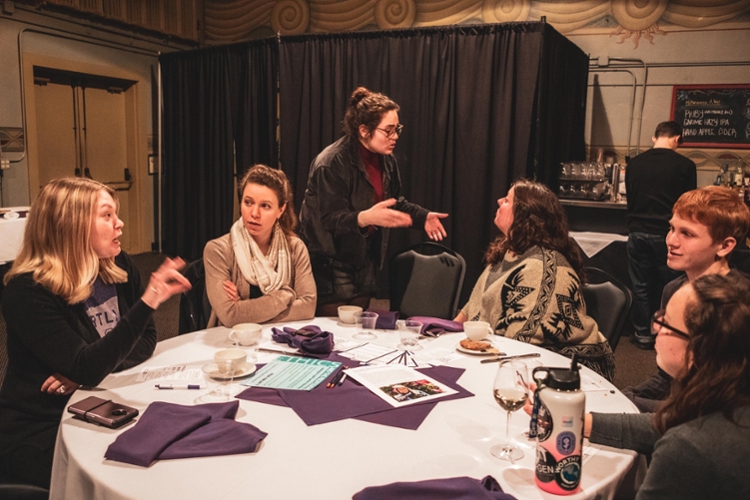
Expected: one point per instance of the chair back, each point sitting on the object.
(426, 280)
(608, 301)
(195, 309)
(22, 492)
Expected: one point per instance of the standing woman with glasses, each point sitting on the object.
(353, 196)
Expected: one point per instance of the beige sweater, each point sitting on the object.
(286, 304)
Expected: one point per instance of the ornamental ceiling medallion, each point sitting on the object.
(638, 18)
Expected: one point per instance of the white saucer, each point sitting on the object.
(347, 325)
(211, 370)
(464, 350)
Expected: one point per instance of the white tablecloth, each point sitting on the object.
(11, 233)
(592, 243)
(327, 461)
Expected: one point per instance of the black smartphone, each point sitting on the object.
(104, 412)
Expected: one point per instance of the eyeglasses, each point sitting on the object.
(390, 132)
(657, 323)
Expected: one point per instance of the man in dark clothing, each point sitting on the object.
(654, 181)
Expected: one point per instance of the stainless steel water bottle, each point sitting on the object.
(559, 406)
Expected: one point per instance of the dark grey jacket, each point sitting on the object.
(337, 190)
(704, 458)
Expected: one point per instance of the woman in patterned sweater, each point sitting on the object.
(530, 290)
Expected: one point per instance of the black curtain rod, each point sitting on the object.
(472, 29)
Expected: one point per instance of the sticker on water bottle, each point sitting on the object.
(545, 465)
(544, 425)
(566, 443)
(568, 473)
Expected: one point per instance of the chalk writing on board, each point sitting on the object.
(713, 115)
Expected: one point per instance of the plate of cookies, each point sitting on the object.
(477, 348)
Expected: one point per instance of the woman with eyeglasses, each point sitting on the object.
(353, 197)
(699, 439)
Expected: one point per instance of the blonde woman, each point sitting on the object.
(260, 272)
(76, 311)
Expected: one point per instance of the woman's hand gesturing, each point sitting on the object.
(165, 282)
(380, 214)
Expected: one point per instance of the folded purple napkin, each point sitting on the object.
(386, 319)
(352, 400)
(436, 326)
(454, 488)
(168, 430)
(308, 339)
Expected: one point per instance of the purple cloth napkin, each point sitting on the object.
(454, 488)
(308, 339)
(352, 400)
(436, 326)
(168, 430)
(386, 319)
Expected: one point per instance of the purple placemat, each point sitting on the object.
(352, 400)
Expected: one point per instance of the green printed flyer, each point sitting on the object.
(292, 372)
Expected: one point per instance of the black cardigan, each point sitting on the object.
(337, 190)
(46, 335)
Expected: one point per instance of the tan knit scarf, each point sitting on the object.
(270, 272)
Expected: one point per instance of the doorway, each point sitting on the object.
(84, 123)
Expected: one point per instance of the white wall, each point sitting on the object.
(719, 56)
(40, 35)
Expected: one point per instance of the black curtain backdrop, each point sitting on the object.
(217, 102)
(481, 105)
(471, 102)
(561, 107)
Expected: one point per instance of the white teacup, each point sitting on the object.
(246, 333)
(236, 357)
(477, 330)
(346, 313)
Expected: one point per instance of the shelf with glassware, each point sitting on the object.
(592, 181)
(737, 178)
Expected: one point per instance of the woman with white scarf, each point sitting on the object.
(260, 272)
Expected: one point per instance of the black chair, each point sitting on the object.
(608, 301)
(22, 492)
(426, 280)
(195, 309)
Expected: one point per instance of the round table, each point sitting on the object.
(326, 461)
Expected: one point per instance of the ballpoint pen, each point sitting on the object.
(178, 386)
(288, 353)
(378, 357)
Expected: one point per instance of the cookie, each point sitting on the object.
(474, 345)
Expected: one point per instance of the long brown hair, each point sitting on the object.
(366, 108)
(56, 245)
(538, 220)
(716, 377)
(277, 181)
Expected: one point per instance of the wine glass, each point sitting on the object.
(369, 320)
(510, 393)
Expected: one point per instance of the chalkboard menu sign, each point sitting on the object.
(713, 116)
